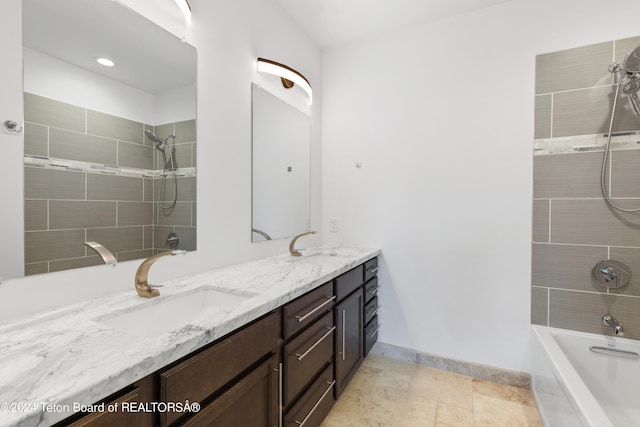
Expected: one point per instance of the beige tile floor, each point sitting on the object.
(390, 393)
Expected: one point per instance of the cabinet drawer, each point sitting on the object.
(370, 310)
(370, 334)
(370, 289)
(253, 401)
(306, 355)
(348, 282)
(315, 404)
(203, 374)
(303, 311)
(370, 269)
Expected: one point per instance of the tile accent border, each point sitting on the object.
(583, 143)
(99, 168)
(475, 370)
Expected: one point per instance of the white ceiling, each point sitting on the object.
(332, 22)
(76, 31)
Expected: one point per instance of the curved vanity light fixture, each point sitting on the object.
(185, 7)
(288, 75)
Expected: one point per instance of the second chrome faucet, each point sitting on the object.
(142, 286)
(292, 245)
(609, 320)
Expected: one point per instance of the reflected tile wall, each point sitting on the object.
(66, 206)
(573, 227)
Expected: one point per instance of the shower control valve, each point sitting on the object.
(611, 274)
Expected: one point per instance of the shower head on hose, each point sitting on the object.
(631, 85)
(160, 144)
(630, 76)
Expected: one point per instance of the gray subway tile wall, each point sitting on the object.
(543, 116)
(66, 206)
(114, 127)
(36, 139)
(135, 155)
(573, 227)
(64, 144)
(110, 187)
(45, 111)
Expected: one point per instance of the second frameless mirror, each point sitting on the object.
(281, 156)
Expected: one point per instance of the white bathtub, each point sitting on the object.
(575, 386)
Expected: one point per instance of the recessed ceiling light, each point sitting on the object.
(105, 61)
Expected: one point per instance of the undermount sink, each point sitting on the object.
(319, 259)
(171, 313)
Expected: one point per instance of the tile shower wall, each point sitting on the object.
(573, 227)
(91, 176)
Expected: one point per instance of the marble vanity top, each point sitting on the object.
(53, 361)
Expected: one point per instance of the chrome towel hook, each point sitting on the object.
(12, 126)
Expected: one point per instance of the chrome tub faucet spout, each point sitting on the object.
(610, 321)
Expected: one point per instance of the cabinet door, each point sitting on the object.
(252, 402)
(348, 318)
(119, 418)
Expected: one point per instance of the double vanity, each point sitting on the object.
(267, 343)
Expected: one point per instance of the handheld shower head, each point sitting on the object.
(160, 144)
(631, 63)
(629, 71)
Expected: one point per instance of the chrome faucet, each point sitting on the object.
(292, 250)
(142, 286)
(610, 321)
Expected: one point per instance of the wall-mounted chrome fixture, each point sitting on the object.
(12, 126)
(610, 321)
(105, 254)
(611, 274)
(185, 8)
(172, 241)
(288, 75)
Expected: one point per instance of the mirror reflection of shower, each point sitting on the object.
(629, 81)
(163, 146)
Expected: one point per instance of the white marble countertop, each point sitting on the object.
(53, 361)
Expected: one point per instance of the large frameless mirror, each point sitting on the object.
(281, 167)
(110, 140)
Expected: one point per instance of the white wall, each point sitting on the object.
(11, 144)
(229, 37)
(441, 117)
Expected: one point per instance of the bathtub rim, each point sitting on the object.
(570, 381)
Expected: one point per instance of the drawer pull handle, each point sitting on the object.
(301, 423)
(375, 331)
(372, 270)
(303, 355)
(373, 291)
(306, 316)
(344, 334)
(280, 387)
(373, 312)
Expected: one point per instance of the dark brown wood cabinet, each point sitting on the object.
(252, 401)
(203, 376)
(348, 318)
(307, 356)
(122, 416)
(284, 369)
(316, 403)
(370, 312)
